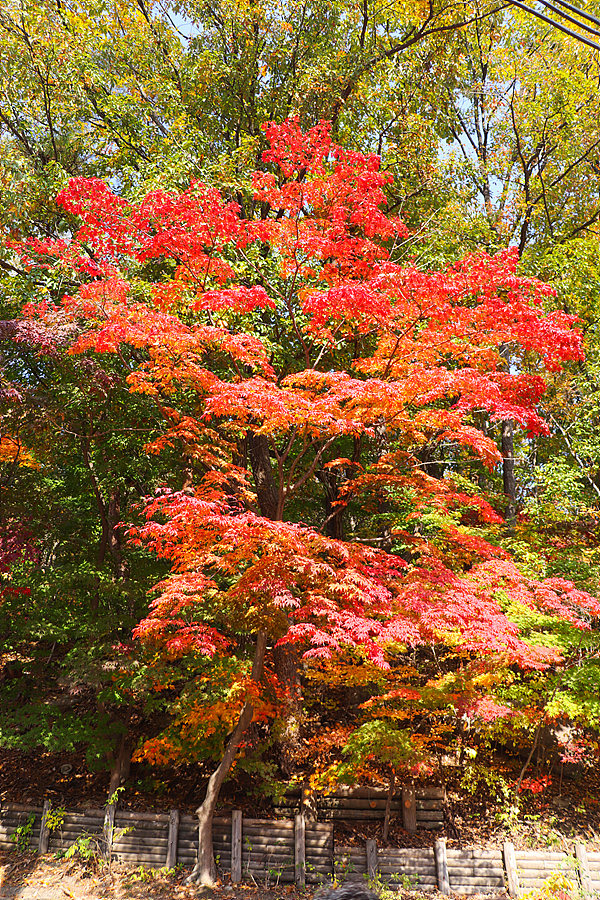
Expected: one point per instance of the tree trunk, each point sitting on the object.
(121, 764)
(205, 870)
(285, 657)
(388, 807)
(285, 660)
(113, 516)
(267, 490)
(508, 471)
(334, 512)
(508, 455)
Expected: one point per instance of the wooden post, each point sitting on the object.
(371, 850)
(510, 864)
(300, 850)
(108, 829)
(44, 832)
(409, 807)
(584, 869)
(236, 846)
(173, 836)
(441, 865)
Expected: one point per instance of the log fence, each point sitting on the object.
(418, 807)
(593, 861)
(300, 850)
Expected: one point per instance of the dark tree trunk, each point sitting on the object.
(285, 657)
(205, 871)
(334, 520)
(267, 490)
(482, 421)
(286, 663)
(110, 517)
(508, 455)
(388, 807)
(508, 471)
(187, 483)
(114, 536)
(121, 764)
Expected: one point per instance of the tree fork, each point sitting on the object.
(204, 871)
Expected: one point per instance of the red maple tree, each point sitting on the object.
(290, 355)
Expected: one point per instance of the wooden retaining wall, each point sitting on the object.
(273, 851)
(395, 869)
(418, 807)
(533, 866)
(75, 824)
(594, 872)
(14, 816)
(475, 870)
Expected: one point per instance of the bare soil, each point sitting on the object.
(28, 877)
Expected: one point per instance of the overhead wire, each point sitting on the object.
(589, 28)
(559, 25)
(580, 12)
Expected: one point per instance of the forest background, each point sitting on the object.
(487, 125)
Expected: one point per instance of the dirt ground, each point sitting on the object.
(28, 877)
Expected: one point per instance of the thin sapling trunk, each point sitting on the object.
(205, 870)
(388, 807)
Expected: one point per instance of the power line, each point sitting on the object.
(580, 12)
(571, 19)
(574, 34)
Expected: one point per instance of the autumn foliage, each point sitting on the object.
(294, 359)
